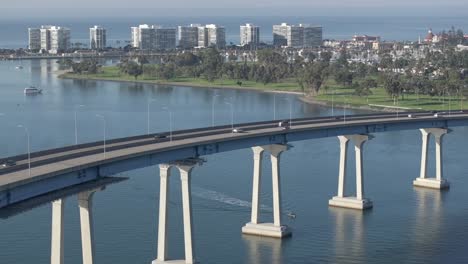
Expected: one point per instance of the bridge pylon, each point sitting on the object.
(254, 227)
(341, 200)
(438, 182)
(185, 168)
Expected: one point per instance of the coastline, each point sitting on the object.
(63, 74)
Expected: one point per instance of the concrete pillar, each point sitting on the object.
(185, 167)
(164, 174)
(185, 178)
(343, 162)
(85, 203)
(254, 227)
(354, 202)
(56, 256)
(438, 182)
(257, 174)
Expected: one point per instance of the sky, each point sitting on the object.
(218, 7)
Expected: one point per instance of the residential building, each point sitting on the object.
(97, 38)
(249, 35)
(188, 36)
(216, 36)
(301, 36)
(34, 42)
(202, 37)
(365, 38)
(165, 38)
(147, 37)
(52, 39)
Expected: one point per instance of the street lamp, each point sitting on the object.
(150, 100)
(104, 131)
(76, 123)
(212, 109)
(333, 103)
(344, 109)
(29, 148)
(170, 122)
(290, 110)
(274, 106)
(232, 115)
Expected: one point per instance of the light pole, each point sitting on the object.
(274, 106)
(333, 101)
(290, 110)
(76, 123)
(232, 114)
(170, 122)
(212, 109)
(344, 111)
(148, 115)
(29, 148)
(104, 131)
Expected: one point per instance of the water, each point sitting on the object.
(15, 32)
(407, 225)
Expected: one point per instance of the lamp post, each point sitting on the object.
(150, 100)
(104, 131)
(212, 109)
(29, 148)
(344, 109)
(333, 103)
(274, 106)
(170, 122)
(232, 114)
(290, 110)
(76, 123)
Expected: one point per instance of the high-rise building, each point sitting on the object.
(202, 37)
(188, 36)
(52, 39)
(216, 36)
(97, 38)
(249, 35)
(165, 38)
(34, 38)
(301, 36)
(147, 37)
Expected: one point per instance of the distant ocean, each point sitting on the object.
(13, 33)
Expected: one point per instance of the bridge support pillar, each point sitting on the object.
(185, 168)
(423, 181)
(56, 256)
(254, 227)
(358, 201)
(85, 204)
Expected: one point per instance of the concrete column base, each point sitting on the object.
(180, 261)
(431, 183)
(350, 202)
(266, 229)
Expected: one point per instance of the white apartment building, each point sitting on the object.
(216, 36)
(152, 37)
(249, 35)
(188, 36)
(301, 36)
(97, 38)
(52, 39)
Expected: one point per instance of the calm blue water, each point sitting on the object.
(407, 225)
(14, 32)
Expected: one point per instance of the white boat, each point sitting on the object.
(32, 90)
(19, 67)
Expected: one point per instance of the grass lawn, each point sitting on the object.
(335, 93)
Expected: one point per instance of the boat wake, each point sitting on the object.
(224, 198)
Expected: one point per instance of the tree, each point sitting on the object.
(393, 86)
(313, 76)
(133, 69)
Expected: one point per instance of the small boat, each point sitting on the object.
(32, 90)
(19, 67)
(291, 215)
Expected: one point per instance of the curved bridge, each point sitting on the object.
(46, 171)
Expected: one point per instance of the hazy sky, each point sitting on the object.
(15, 8)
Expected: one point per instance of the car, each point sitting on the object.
(437, 115)
(284, 124)
(159, 136)
(238, 130)
(410, 116)
(9, 163)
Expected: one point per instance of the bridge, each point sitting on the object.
(36, 174)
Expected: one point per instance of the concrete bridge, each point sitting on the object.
(43, 172)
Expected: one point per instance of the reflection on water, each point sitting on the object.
(349, 237)
(263, 249)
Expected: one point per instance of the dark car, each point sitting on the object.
(160, 136)
(9, 163)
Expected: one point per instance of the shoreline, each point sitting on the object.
(62, 74)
